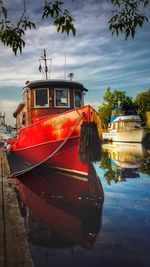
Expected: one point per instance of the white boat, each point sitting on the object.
(4, 135)
(125, 125)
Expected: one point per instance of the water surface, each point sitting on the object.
(68, 225)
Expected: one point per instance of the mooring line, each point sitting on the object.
(5, 263)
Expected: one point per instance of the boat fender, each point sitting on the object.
(90, 144)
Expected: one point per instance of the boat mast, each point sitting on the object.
(45, 59)
(45, 63)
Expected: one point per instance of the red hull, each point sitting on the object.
(62, 203)
(53, 141)
(66, 159)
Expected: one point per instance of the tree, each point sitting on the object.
(112, 99)
(144, 166)
(109, 174)
(127, 16)
(143, 100)
(105, 113)
(12, 34)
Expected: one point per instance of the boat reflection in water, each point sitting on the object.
(60, 210)
(123, 160)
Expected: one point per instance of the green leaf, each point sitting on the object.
(132, 32)
(127, 17)
(4, 11)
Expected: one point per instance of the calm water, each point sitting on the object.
(68, 225)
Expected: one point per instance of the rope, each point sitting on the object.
(50, 156)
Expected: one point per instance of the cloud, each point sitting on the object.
(94, 104)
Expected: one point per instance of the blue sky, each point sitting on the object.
(97, 59)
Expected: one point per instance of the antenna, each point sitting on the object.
(65, 64)
(71, 75)
(1, 107)
(45, 59)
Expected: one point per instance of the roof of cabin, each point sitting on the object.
(55, 83)
(19, 108)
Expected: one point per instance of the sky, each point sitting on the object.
(97, 59)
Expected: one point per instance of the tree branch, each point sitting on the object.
(24, 11)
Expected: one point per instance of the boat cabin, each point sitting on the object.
(125, 117)
(48, 97)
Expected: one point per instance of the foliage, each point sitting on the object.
(105, 113)
(105, 162)
(128, 15)
(112, 99)
(145, 166)
(62, 20)
(109, 174)
(12, 35)
(143, 100)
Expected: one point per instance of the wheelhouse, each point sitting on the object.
(48, 97)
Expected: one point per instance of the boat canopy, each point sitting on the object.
(55, 83)
(123, 111)
(126, 107)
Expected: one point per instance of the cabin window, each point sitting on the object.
(62, 97)
(41, 97)
(78, 99)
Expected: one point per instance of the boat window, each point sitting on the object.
(62, 97)
(41, 97)
(78, 98)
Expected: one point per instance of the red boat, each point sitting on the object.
(66, 208)
(53, 126)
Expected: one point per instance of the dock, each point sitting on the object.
(14, 249)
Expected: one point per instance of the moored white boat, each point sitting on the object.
(125, 126)
(4, 134)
